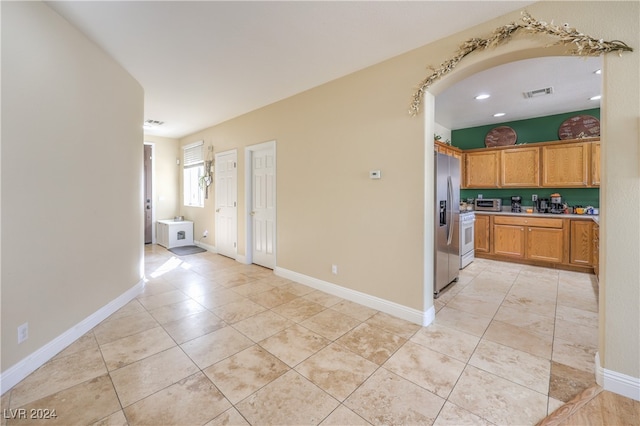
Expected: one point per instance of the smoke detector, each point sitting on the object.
(538, 92)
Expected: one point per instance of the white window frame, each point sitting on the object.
(193, 163)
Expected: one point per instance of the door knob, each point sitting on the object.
(218, 210)
(253, 213)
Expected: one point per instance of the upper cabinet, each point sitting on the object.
(566, 164)
(595, 164)
(482, 169)
(520, 167)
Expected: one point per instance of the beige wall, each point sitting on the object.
(328, 138)
(71, 178)
(166, 193)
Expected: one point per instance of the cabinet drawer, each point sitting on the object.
(541, 222)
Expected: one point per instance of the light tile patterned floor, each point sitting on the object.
(214, 342)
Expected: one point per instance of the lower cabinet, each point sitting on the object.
(546, 241)
(482, 234)
(545, 244)
(509, 240)
(596, 250)
(529, 238)
(581, 252)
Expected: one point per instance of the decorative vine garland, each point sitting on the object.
(582, 45)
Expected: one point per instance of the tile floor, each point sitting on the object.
(214, 342)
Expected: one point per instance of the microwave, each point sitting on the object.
(488, 204)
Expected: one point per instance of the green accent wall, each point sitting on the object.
(540, 129)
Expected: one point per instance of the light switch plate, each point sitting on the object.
(375, 174)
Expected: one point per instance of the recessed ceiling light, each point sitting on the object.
(482, 96)
(597, 72)
(595, 98)
(499, 114)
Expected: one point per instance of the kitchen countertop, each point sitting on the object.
(595, 218)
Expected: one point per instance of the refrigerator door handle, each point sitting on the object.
(450, 203)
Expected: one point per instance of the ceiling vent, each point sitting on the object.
(153, 123)
(538, 92)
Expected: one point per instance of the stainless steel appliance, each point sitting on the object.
(467, 242)
(556, 205)
(516, 204)
(542, 205)
(447, 240)
(488, 204)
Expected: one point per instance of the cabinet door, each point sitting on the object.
(481, 234)
(565, 165)
(520, 167)
(545, 244)
(581, 252)
(481, 169)
(596, 250)
(595, 164)
(508, 240)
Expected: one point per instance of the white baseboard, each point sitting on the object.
(242, 259)
(419, 317)
(615, 382)
(14, 374)
(207, 247)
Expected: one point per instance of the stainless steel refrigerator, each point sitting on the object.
(447, 238)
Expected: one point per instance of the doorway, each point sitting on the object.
(261, 204)
(226, 219)
(148, 193)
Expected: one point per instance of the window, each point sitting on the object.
(193, 171)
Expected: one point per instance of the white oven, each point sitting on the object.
(467, 251)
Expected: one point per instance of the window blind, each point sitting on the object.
(193, 154)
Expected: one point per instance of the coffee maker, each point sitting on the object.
(542, 205)
(556, 204)
(516, 204)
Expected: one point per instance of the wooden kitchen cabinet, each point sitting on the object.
(551, 240)
(545, 244)
(520, 167)
(451, 151)
(566, 165)
(482, 169)
(531, 238)
(509, 240)
(581, 252)
(595, 164)
(482, 241)
(596, 250)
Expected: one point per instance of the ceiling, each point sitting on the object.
(204, 62)
(573, 81)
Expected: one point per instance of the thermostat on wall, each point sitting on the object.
(375, 174)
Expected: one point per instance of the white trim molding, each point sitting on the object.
(14, 374)
(386, 306)
(615, 382)
(205, 246)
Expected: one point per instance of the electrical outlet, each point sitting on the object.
(205, 233)
(23, 332)
(334, 269)
(534, 197)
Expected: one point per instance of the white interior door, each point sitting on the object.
(263, 206)
(226, 176)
